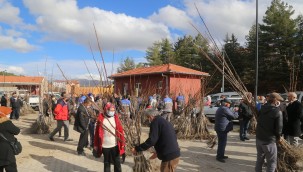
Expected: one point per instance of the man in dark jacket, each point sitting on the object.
(223, 124)
(7, 156)
(45, 103)
(269, 130)
(4, 100)
(245, 114)
(163, 137)
(16, 105)
(81, 124)
(293, 124)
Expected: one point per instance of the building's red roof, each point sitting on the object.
(21, 79)
(166, 68)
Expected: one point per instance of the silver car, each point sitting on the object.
(210, 111)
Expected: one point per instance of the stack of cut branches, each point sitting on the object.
(193, 123)
(289, 157)
(222, 63)
(141, 163)
(188, 127)
(132, 129)
(26, 109)
(41, 125)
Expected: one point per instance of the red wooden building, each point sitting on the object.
(163, 79)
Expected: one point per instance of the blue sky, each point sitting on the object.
(35, 35)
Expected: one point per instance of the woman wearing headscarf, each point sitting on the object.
(109, 138)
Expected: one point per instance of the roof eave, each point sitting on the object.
(21, 83)
(166, 72)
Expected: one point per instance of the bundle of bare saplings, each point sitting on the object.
(26, 109)
(192, 123)
(289, 157)
(43, 123)
(132, 131)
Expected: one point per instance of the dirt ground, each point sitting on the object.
(40, 154)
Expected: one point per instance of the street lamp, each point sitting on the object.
(257, 53)
(223, 72)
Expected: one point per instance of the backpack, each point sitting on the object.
(16, 145)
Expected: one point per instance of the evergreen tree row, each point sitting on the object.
(280, 52)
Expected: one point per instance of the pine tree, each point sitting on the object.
(250, 56)
(277, 42)
(186, 53)
(153, 55)
(167, 52)
(126, 65)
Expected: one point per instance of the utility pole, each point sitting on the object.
(222, 88)
(257, 52)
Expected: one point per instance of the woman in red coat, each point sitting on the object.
(109, 138)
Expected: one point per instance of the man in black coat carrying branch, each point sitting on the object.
(163, 137)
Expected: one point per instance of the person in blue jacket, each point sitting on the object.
(223, 124)
(126, 108)
(180, 103)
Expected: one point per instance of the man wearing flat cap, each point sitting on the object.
(268, 132)
(163, 137)
(223, 124)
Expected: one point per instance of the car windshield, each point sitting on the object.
(234, 103)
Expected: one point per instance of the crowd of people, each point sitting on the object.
(99, 121)
(276, 118)
(14, 102)
(98, 118)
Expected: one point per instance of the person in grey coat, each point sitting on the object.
(268, 132)
(223, 124)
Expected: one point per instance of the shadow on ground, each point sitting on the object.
(54, 164)
(63, 149)
(203, 159)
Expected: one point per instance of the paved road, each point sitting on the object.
(41, 155)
